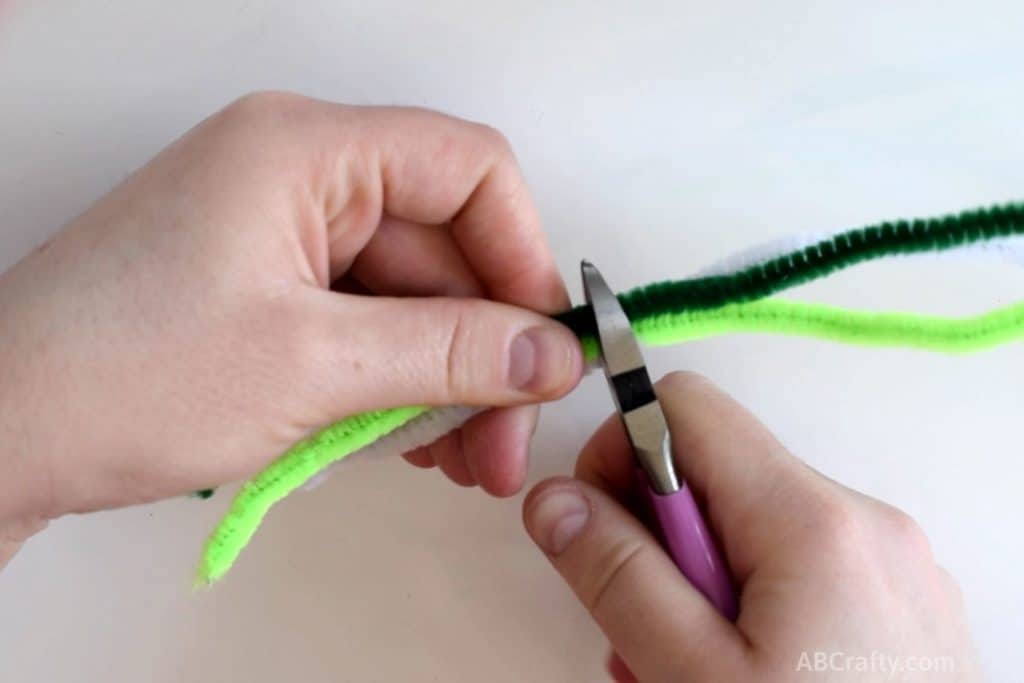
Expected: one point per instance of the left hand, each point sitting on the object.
(181, 333)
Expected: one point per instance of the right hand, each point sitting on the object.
(820, 568)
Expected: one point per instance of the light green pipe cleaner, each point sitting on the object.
(774, 316)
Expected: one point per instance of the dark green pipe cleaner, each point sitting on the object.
(789, 270)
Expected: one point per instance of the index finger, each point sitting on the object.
(343, 169)
(436, 169)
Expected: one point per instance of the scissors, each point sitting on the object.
(683, 532)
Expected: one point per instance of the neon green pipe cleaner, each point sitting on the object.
(932, 333)
(674, 312)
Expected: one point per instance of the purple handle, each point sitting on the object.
(690, 544)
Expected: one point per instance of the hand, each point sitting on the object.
(182, 332)
(821, 568)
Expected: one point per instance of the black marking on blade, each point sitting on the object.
(633, 389)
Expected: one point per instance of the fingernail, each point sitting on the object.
(557, 517)
(541, 359)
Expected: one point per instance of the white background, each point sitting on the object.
(657, 137)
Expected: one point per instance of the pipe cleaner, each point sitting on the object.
(730, 297)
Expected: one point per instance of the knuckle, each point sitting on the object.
(904, 529)
(897, 520)
(457, 343)
(263, 104)
(838, 527)
(474, 360)
(495, 139)
(838, 517)
(610, 569)
(259, 115)
(249, 135)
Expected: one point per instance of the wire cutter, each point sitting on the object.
(683, 532)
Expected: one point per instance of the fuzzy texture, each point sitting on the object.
(818, 260)
(286, 474)
(422, 430)
(672, 312)
(864, 328)
(1008, 249)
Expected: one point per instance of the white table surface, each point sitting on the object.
(657, 137)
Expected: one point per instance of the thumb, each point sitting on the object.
(659, 624)
(437, 351)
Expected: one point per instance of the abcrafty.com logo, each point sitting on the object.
(875, 663)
